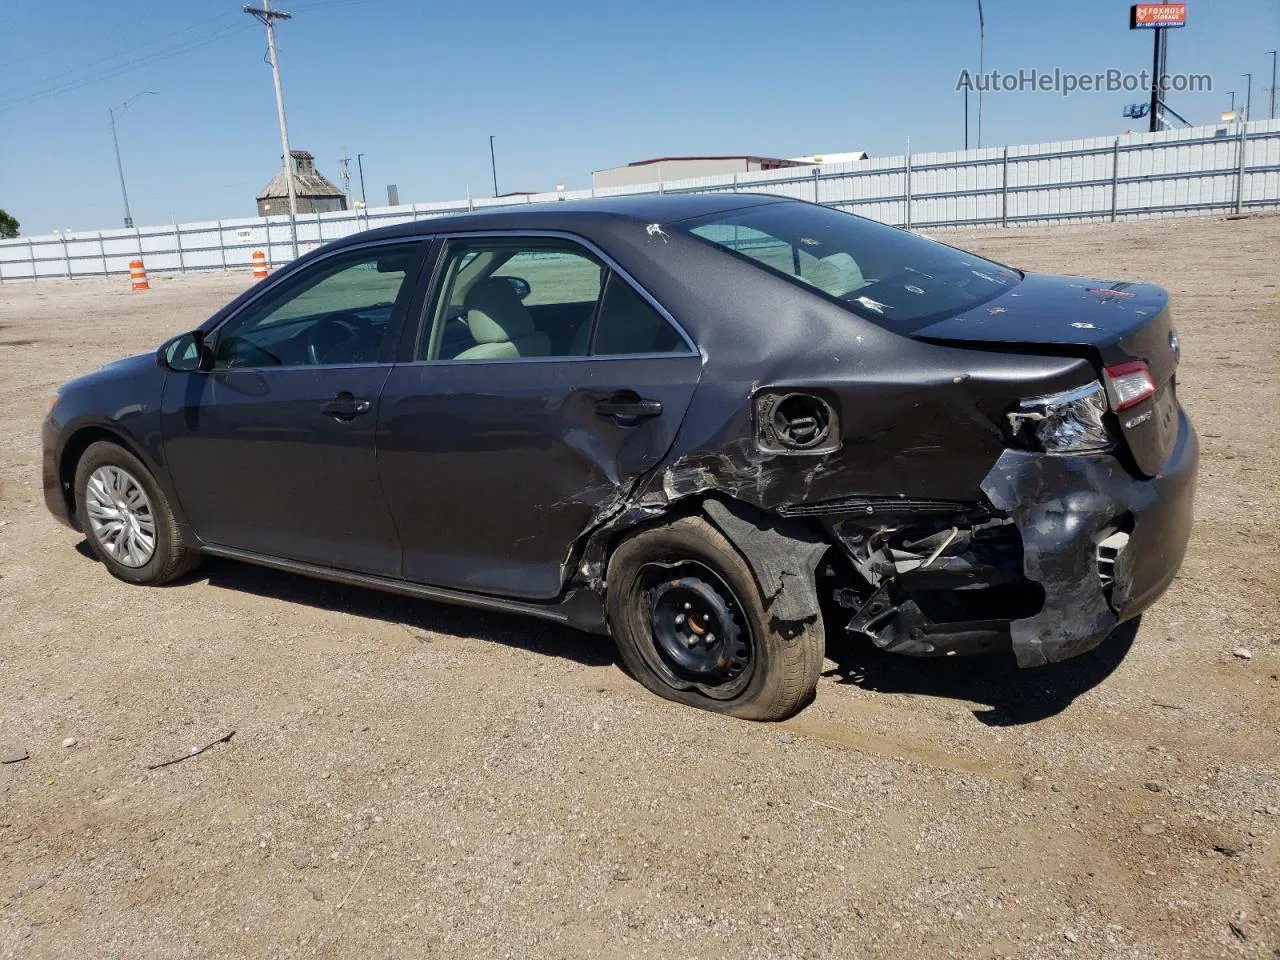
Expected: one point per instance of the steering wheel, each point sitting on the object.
(330, 334)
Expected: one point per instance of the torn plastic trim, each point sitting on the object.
(1068, 507)
(1059, 511)
(783, 555)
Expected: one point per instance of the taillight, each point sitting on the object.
(1129, 384)
(1064, 423)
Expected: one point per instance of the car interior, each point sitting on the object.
(489, 313)
(288, 330)
(486, 311)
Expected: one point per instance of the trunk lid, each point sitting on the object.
(1109, 322)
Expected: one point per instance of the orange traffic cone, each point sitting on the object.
(138, 275)
(259, 265)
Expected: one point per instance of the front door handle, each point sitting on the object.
(346, 407)
(626, 406)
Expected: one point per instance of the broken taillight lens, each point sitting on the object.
(1129, 384)
(1064, 423)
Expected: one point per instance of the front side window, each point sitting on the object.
(897, 279)
(527, 298)
(336, 312)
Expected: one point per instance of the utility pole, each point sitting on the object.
(115, 142)
(364, 197)
(493, 165)
(268, 18)
(1273, 84)
(1248, 96)
(346, 175)
(982, 65)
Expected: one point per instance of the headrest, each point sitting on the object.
(495, 314)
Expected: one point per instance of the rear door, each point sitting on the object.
(520, 417)
(272, 450)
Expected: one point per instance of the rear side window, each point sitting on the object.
(897, 279)
(628, 323)
(513, 299)
(526, 298)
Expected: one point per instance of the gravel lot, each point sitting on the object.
(410, 780)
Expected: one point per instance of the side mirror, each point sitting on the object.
(519, 285)
(184, 353)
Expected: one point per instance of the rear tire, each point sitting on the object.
(664, 580)
(126, 518)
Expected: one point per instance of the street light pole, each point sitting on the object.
(115, 142)
(1272, 112)
(982, 65)
(124, 192)
(364, 197)
(493, 165)
(1248, 95)
(268, 18)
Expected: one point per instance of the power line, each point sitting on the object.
(55, 85)
(130, 51)
(332, 4)
(85, 80)
(82, 80)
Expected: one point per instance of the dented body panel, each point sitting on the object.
(516, 466)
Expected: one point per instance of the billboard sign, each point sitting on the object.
(1152, 16)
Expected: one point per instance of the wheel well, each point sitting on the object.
(79, 442)
(695, 506)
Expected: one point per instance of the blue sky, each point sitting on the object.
(565, 86)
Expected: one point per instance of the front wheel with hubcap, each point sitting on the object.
(127, 520)
(687, 615)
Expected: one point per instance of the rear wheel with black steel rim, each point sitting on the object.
(690, 625)
(126, 518)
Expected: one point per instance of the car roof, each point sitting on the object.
(575, 215)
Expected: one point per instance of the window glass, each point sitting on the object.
(335, 312)
(507, 300)
(628, 323)
(893, 277)
(554, 276)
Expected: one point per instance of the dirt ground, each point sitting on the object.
(412, 780)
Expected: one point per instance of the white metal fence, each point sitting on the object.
(1226, 168)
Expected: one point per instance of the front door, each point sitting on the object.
(272, 450)
(543, 384)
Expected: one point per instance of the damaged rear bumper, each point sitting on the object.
(1064, 507)
(1063, 550)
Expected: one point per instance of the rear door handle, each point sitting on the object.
(627, 405)
(346, 407)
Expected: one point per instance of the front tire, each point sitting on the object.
(690, 624)
(126, 518)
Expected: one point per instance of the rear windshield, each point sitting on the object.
(897, 279)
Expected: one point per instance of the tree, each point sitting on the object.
(8, 226)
